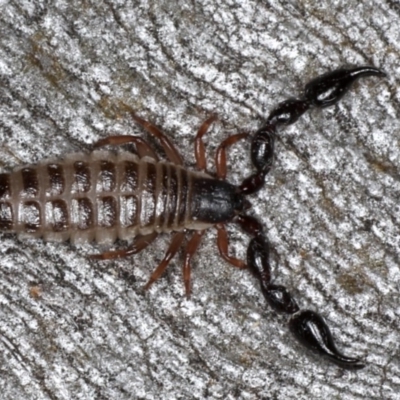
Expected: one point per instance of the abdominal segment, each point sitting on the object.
(101, 196)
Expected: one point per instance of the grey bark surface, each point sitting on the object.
(72, 328)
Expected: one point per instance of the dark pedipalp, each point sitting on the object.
(323, 91)
(308, 327)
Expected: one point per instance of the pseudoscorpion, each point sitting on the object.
(103, 196)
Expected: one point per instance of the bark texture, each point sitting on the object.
(74, 328)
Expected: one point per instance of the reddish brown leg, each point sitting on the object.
(139, 243)
(142, 147)
(223, 242)
(191, 248)
(170, 150)
(199, 148)
(173, 248)
(220, 157)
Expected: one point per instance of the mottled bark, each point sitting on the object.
(71, 327)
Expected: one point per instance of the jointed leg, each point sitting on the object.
(139, 243)
(190, 250)
(220, 157)
(223, 242)
(199, 148)
(142, 147)
(170, 150)
(173, 248)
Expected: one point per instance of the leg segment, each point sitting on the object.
(142, 147)
(199, 148)
(173, 248)
(170, 150)
(139, 243)
(223, 244)
(220, 157)
(191, 248)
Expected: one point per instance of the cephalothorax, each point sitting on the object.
(103, 196)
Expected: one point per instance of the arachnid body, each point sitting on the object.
(103, 196)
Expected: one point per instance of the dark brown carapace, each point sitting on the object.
(104, 196)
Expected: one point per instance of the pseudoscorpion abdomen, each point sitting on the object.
(101, 196)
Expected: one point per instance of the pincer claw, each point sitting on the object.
(329, 88)
(311, 330)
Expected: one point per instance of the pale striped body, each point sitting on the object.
(100, 196)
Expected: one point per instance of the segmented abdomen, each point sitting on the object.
(101, 196)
